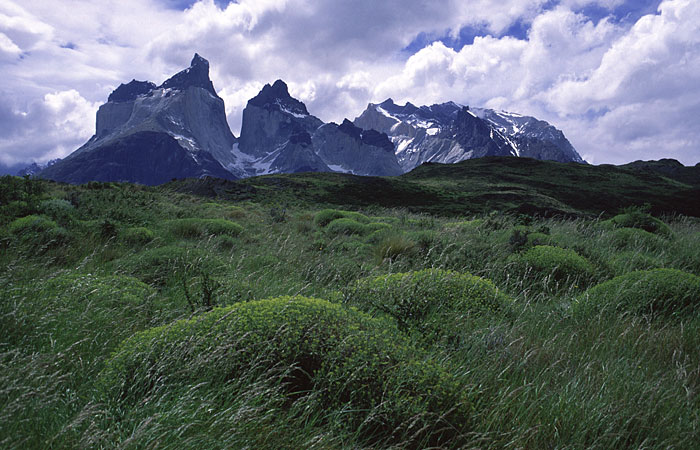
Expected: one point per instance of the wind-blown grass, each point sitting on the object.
(538, 373)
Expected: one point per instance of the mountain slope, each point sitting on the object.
(145, 157)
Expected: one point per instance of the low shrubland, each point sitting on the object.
(144, 317)
(666, 292)
(439, 305)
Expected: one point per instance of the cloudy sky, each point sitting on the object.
(621, 78)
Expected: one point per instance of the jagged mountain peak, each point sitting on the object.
(391, 107)
(277, 97)
(350, 129)
(131, 91)
(197, 75)
(367, 137)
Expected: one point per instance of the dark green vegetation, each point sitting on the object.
(155, 318)
(478, 186)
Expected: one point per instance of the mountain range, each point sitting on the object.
(150, 134)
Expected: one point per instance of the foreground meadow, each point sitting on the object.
(135, 317)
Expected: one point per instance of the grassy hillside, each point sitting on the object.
(477, 186)
(254, 314)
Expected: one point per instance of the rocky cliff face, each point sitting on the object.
(449, 133)
(279, 135)
(184, 108)
(350, 149)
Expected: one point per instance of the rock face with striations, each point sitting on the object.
(142, 117)
(348, 148)
(279, 135)
(449, 133)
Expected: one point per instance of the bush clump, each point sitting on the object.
(157, 266)
(657, 292)
(625, 238)
(58, 209)
(335, 358)
(634, 218)
(39, 233)
(346, 227)
(32, 224)
(326, 216)
(560, 264)
(436, 304)
(193, 228)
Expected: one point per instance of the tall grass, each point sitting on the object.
(134, 258)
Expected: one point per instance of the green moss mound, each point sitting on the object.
(662, 292)
(641, 220)
(333, 357)
(436, 304)
(346, 227)
(326, 216)
(193, 228)
(560, 264)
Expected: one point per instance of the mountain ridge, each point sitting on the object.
(279, 135)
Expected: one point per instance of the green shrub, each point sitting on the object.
(466, 225)
(424, 240)
(377, 226)
(347, 360)
(435, 303)
(558, 263)
(39, 233)
(30, 225)
(137, 236)
(346, 227)
(192, 228)
(377, 236)
(638, 219)
(326, 216)
(60, 210)
(157, 266)
(624, 238)
(665, 292)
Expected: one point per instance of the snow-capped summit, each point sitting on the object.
(531, 137)
(450, 133)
